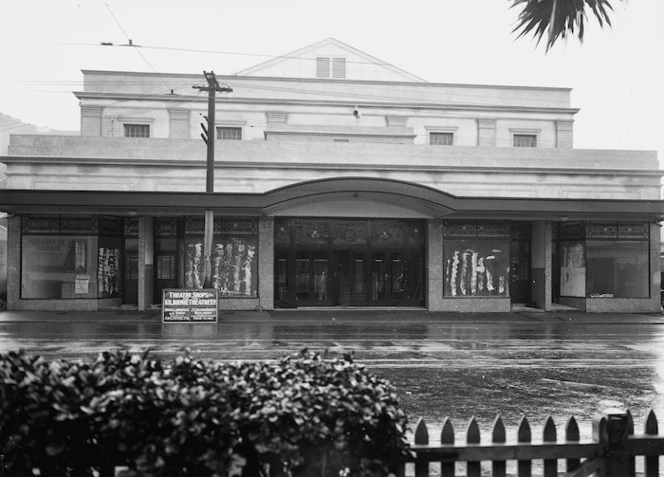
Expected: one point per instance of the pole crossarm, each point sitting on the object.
(213, 84)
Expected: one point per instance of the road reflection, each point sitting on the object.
(457, 369)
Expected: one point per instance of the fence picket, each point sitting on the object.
(498, 436)
(651, 429)
(549, 435)
(473, 469)
(447, 438)
(572, 435)
(630, 432)
(421, 437)
(524, 467)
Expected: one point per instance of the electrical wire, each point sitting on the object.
(131, 43)
(258, 55)
(466, 99)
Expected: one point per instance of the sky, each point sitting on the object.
(616, 73)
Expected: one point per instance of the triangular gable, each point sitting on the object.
(302, 63)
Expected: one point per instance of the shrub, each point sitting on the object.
(301, 415)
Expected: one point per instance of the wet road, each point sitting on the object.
(455, 368)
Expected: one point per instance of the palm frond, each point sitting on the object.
(569, 17)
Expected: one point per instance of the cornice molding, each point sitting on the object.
(304, 102)
(244, 164)
(230, 78)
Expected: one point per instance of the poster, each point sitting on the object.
(108, 272)
(572, 270)
(82, 284)
(189, 306)
(477, 270)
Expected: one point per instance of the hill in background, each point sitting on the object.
(10, 125)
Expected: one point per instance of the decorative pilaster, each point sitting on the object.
(486, 132)
(145, 262)
(564, 134)
(266, 263)
(179, 123)
(91, 120)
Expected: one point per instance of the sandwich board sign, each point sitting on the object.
(189, 306)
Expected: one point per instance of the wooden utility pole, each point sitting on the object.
(209, 136)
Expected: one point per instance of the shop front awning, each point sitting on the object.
(424, 201)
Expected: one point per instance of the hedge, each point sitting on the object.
(302, 416)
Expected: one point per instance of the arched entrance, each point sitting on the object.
(352, 242)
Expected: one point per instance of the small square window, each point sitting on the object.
(137, 130)
(524, 140)
(229, 134)
(441, 139)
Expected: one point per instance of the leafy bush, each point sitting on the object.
(302, 415)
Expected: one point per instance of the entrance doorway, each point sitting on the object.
(130, 286)
(165, 268)
(312, 270)
(520, 281)
(349, 278)
(348, 262)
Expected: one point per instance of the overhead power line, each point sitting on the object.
(131, 43)
(109, 44)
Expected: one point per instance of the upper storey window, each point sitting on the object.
(441, 138)
(327, 67)
(137, 130)
(229, 133)
(524, 140)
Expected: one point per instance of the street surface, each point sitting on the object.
(454, 365)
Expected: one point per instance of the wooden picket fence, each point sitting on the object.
(610, 453)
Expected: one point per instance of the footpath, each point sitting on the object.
(337, 314)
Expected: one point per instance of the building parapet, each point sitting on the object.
(153, 151)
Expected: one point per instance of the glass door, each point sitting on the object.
(282, 279)
(165, 266)
(130, 286)
(386, 277)
(397, 278)
(312, 286)
(520, 284)
(351, 278)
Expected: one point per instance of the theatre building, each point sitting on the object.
(339, 180)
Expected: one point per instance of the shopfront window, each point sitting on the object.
(477, 268)
(618, 269)
(234, 258)
(604, 260)
(71, 257)
(477, 259)
(58, 266)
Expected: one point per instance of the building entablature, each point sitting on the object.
(110, 100)
(262, 88)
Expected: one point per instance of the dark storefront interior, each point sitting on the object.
(327, 262)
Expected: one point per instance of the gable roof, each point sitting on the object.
(361, 65)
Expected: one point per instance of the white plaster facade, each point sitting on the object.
(299, 129)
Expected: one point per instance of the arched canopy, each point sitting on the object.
(358, 196)
(355, 196)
